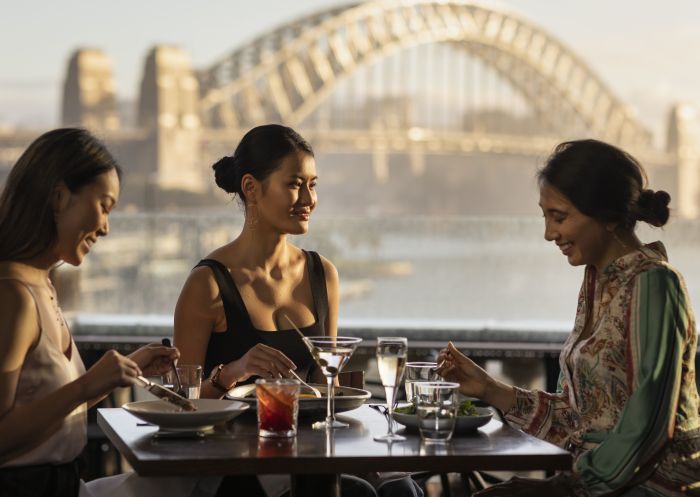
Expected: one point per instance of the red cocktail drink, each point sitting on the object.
(278, 407)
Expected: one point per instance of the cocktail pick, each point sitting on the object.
(301, 335)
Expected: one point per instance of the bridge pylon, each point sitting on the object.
(89, 97)
(169, 112)
(682, 143)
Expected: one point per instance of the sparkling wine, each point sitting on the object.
(391, 369)
(391, 361)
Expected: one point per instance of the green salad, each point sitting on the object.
(466, 408)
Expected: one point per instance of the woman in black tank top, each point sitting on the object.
(231, 316)
(232, 344)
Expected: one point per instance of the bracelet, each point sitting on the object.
(214, 380)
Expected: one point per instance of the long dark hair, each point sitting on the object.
(605, 183)
(71, 156)
(259, 153)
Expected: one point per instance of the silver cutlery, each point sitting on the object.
(176, 374)
(315, 390)
(166, 394)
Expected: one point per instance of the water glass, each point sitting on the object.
(278, 407)
(436, 409)
(419, 371)
(190, 378)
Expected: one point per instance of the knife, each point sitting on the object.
(166, 394)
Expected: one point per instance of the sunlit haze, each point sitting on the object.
(644, 50)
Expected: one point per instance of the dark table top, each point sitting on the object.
(237, 449)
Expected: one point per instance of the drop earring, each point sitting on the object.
(251, 218)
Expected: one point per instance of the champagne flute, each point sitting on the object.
(331, 354)
(391, 359)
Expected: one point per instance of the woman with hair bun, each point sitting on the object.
(627, 402)
(231, 316)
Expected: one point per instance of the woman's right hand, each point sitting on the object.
(474, 381)
(111, 371)
(261, 360)
(455, 366)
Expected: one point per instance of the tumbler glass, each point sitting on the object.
(436, 409)
(278, 407)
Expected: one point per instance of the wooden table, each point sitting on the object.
(315, 458)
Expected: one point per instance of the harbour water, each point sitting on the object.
(420, 272)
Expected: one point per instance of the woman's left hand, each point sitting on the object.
(526, 487)
(154, 359)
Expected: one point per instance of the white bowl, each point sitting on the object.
(464, 424)
(169, 417)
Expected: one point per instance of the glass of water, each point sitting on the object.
(190, 378)
(419, 371)
(436, 409)
(391, 360)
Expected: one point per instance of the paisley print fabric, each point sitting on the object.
(627, 402)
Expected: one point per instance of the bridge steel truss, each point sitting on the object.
(285, 74)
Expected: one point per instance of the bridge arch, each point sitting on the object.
(285, 74)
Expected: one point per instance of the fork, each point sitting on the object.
(176, 374)
(315, 390)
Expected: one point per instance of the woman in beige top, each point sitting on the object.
(54, 206)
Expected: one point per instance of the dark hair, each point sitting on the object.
(260, 153)
(605, 183)
(71, 156)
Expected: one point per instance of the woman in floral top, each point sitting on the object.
(627, 402)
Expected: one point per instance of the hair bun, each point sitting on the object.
(226, 175)
(652, 207)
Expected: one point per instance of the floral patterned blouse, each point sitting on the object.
(627, 402)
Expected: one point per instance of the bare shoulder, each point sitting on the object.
(202, 283)
(19, 326)
(15, 299)
(330, 271)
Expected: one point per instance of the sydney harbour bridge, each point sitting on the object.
(380, 87)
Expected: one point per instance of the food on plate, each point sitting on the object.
(466, 408)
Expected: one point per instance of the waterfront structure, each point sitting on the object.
(422, 106)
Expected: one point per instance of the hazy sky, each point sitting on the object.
(647, 51)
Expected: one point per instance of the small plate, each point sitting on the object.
(465, 424)
(168, 416)
(346, 399)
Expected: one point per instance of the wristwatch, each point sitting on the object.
(214, 379)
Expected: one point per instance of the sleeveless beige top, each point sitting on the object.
(47, 368)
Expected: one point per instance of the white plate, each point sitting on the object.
(465, 424)
(346, 399)
(168, 416)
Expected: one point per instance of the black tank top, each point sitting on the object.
(240, 335)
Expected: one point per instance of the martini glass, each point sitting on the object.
(331, 354)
